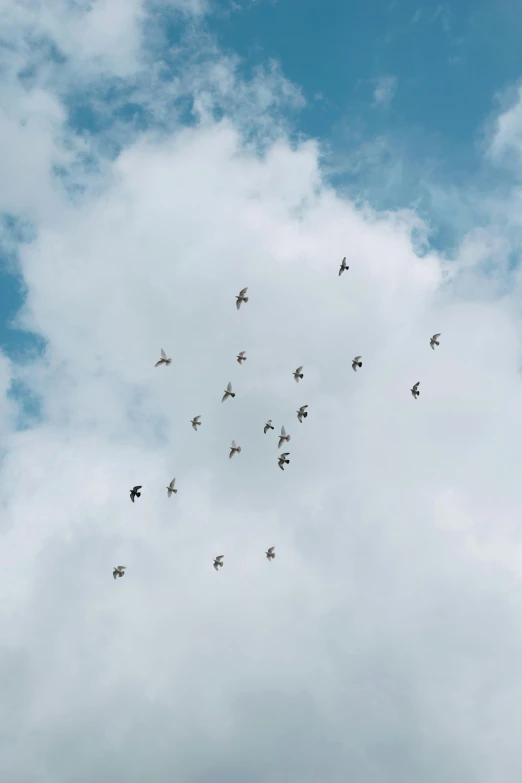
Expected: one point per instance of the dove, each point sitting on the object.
(118, 571)
(196, 422)
(134, 493)
(163, 359)
(282, 461)
(283, 437)
(270, 554)
(268, 426)
(234, 449)
(298, 374)
(343, 266)
(434, 341)
(415, 391)
(241, 357)
(228, 392)
(170, 488)
(217, 561)
(302, 413)
(241, 298)
(356, 363)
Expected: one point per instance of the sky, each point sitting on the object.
(158, 157)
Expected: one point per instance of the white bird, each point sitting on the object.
(218, 562)
(434, 341)
(356, 363)
(228, 392)
(196, 422)
(241, 298)
(268, 426)
(241, 357)
(234, 449)
(343, 266)
(302, 412)
(298, 374)
(170, 488)
(283, 437)
(163, 359)
(270, 554)
(118, 571)
(415, 391)
(282, 461)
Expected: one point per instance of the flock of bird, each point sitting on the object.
(302, 413)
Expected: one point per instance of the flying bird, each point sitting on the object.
(228, 392)
(196, 422)
(241, 357)
(302, 412)
(268, 426)
(415, 391)
(356, 363)
(134, 493)
(298, 374)
(234, 449)
(270, 554)
(434, 341)
(241, 298)
(282, 461)
(343, 266)
(118, 571)
(218, 562)
(283, 437)
(163, 359)
(170, 488)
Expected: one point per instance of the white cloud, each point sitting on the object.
(385, 638)
(506, 137)
(385, 88)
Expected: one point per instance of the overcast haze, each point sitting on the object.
(147, 175)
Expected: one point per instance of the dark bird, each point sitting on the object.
(134, 493)
(343, 266)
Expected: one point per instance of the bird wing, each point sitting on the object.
(224, 397)
(216, 566)
(135, 489)
(114, 573)
(219, 558)
(172, 483)
(238, 303)
(357, 359)
(283, 432)
(302, 408)
(435, 336)
(158, 363)
(271, 549)
(197, 418)
(163, 354)
(299, 369)
(285, 455)
(234, 444)
(242, 353)
(229, 387)
(122, 568)
(243, 291)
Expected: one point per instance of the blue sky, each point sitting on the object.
(158, 156)
(448, 65)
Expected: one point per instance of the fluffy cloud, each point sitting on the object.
(384, 642)
(385, 88)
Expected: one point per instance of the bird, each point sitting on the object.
(343, 266)
(234, 449)
(196, 422)
(241, 357)
(134, 493)
(282, 461)
(118, 571)
(356, 363)
(270, 554)
(241, 298)
(217, 561)
(170, 488)
(228, 392)
(298, 374)
(268, 426)
(434, 341)
(302, 413)
(163, 359)
(415, 391)
(283, 437)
